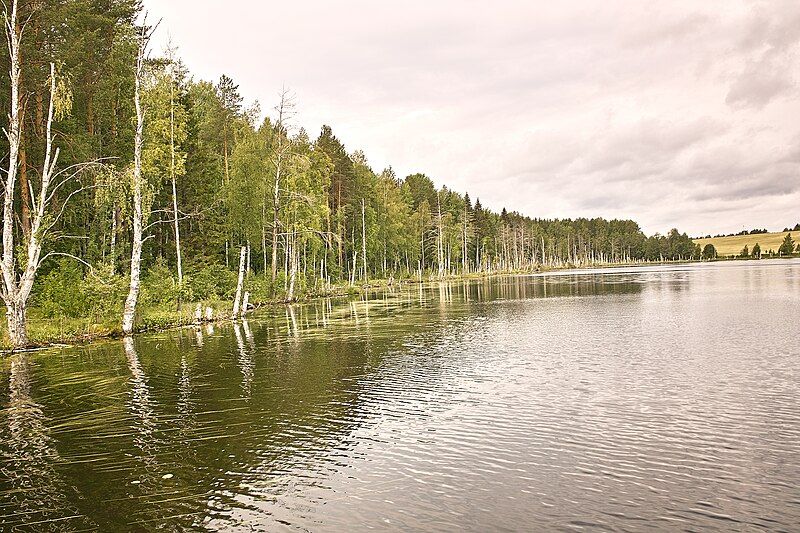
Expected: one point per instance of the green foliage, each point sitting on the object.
(211, 282)
(745, 252)
(787, 247)
(160, 285)
(66, 292)
(756, 251)
(261, 287)
(62, 291)
(105, 291)
(709, 252)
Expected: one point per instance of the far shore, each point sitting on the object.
(47, 333)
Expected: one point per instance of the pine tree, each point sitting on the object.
(787, 246)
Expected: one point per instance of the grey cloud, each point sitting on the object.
(664, 112)
(759, 83)
(769, 44)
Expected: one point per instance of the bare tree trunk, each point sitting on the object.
(172, 175)
(129, 312)
(16, 314)
(240, 284)
(24, 189)
(15, 290)
(364, 240)
(113, 251)
(464, 251)
(439, 247)
(285, 110)
(293, 273)
(13, 135)
(275, 212)
(247, 270)
(177, 231)
(264, 246)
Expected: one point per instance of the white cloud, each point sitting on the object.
(677, 113)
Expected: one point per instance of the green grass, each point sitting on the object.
(733, 245)
(43, 331)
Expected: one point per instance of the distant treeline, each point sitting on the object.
(751, 232)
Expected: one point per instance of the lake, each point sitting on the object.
(663, 398)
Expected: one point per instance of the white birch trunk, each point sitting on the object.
(245, 302)
(129, 312)
(15, 290)
(172, 175)
(113, 251)
(364, 240)
(293, 273)
(237, 301)
(440, 248)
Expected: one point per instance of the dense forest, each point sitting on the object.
(119, 164)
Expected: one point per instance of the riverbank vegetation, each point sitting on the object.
(753, 245)
(133, 188)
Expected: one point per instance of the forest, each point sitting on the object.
(133, 189)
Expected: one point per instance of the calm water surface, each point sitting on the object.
(636, 399)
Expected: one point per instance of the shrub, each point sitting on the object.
(62, 293)
(159, 285)
(260, 287)
(211, 282)
(105, 292)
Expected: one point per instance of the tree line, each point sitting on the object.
(123, 170)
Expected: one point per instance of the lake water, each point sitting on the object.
(662, 398)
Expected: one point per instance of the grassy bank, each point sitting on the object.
(48, 331)
(733, 245)
(45, 329)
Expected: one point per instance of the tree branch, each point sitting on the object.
(64, 254)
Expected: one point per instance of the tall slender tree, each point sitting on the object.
(138, 186)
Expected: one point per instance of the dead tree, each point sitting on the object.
(282, 148)
(237, 301)
(138, 187)
(18, 276)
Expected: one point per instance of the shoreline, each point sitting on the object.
(182, 320)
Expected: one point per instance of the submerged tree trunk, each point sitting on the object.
(129, 312)
(16, 314)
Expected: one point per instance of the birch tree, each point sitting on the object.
(138, 186)
(237, 300)
(19, 274)
(172, 166)
(163, 148)
(281, 151)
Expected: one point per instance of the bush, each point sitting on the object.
(105, 292)
(260, 287)
(210, 282)
(61, 292)
(709, 252)
(159, 285)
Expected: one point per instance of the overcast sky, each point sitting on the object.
(675, 114)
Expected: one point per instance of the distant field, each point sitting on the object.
(733, 245)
